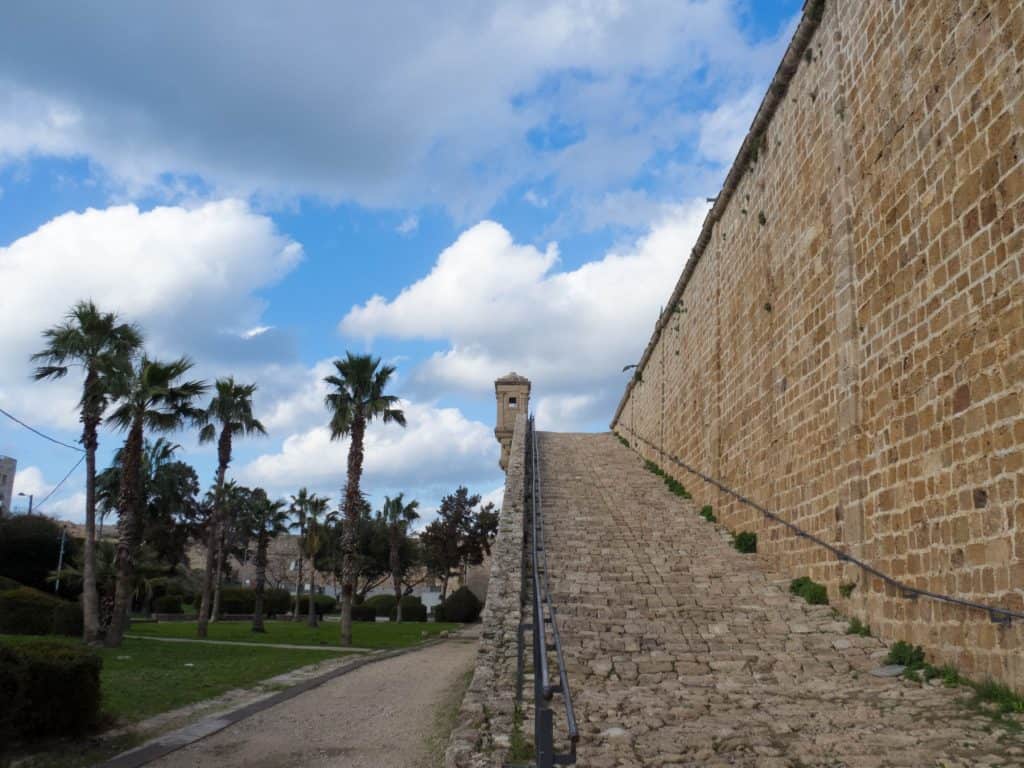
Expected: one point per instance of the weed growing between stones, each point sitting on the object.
(521, 748)
(708, 514)
(810, 590)
(621, 439)
(673, 485)
(745, 542)
(847, 589)
(858, 628)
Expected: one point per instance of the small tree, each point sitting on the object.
(311, 544)
(299, 509)
(461, 536)
(396, 517)
(266, 520)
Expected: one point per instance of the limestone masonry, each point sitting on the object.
(846, 342)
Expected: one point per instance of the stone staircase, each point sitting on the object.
(684, 652)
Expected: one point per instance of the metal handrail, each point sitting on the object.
(543, 688)
(1003, 616)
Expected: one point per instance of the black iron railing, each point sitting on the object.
(545, 623)
(1001, 616)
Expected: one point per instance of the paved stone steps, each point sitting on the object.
(682, 651)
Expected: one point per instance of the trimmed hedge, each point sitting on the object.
(27, 611)
(237, 600)
(29, 545)
(363, 613)
(6, 584)
(461, 606)
(413, 609)
(382, 604)
(321, 604)
(50, 689)
(67, 619)
(276, 602)
(168, 604)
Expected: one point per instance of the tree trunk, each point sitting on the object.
(298, 585)
(128, 505)
(396, 576)
(90, 596)
(218, 572)
(352, 499)
(223, 459)
(261, 577)
(444, 587)
(311, 617)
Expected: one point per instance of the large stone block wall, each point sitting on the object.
(846, 344)
(482, 736)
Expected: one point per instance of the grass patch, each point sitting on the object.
(810, 590)
(143, 678)
(673, 485)
(522, 749)
(858, 628)
(708, 514)
(745, 542)
(364, 634)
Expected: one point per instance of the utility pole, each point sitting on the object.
(30, 497)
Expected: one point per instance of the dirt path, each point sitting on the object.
(386, 713)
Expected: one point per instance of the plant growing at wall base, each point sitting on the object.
(810, 590)
(858, 628)
(707, 513)
(621, 439)
(745, 542)
(846, 589)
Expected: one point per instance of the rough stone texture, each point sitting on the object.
(481, 734)
(848, 349)
(683, 652)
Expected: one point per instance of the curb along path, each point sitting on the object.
(247, 644)
(683, 652)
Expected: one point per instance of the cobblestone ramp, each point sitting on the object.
(683, 652)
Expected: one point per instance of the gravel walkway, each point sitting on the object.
(384, 714)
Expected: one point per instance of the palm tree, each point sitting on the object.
(231, 411)
(233, 506)
(266, 520)
(311, 543)
(153, 399)
(358, 398)
(103, 347)
(398, 516)
(300, 507)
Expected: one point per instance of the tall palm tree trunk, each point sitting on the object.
(218, 581)
(223, 459)
(311, 616)
(396, 576)
(261, 577)
(90, 596)
(128, 529)
(298, 591)
(352, 499)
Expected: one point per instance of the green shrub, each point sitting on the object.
(54, 687)
(745, 542)
(413, 609)
(67, 619)
(276, 602)
(905, 654)
(237, 600)
(6, 583)
(321, 604)
(846, 589)
(707, 513)
(168, 604)
(858, 628)
(363, 613)
(462, 606)
(810, 590)
(27, 611)
(29, 545)
(382, 604)
(438, 612)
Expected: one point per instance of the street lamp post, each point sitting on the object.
(30, 497)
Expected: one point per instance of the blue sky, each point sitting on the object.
(502, 186)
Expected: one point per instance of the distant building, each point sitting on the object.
(512, 392)
(8, 467)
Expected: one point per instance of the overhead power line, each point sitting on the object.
(58, 485)
(15, 419)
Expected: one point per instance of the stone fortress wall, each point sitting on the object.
(846, 342)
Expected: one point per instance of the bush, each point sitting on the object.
(413, 609)
(29, 545)
(50, 690)
(6, 584)
(67, 619)
(363, 613)
(745, 542)
(276, 602)
(708, 514)
(168, 604)
(321, 604)
(438, 612)
(462, 606)
(237, 600)
(905, 654)
(27, 611)
(811, 591)
(382, 604)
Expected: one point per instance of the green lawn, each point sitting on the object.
(364, 634)
(143, 678)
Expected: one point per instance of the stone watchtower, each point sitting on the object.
(513, 394)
